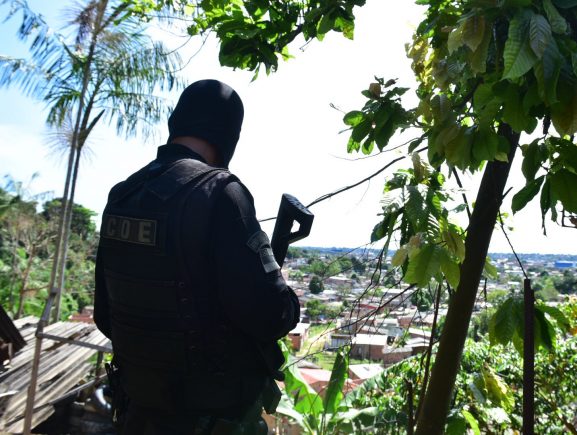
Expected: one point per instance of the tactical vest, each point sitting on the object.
(174, 348)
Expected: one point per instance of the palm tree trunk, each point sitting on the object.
(66, 235)
(60, 261)
(448, 359)
(61, 225)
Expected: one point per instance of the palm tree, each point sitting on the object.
(108, 69)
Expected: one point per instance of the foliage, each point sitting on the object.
(318, 310)
(327, 413)
(26, 247)
(316, 285)
(106, 67)
(81, 223)
(257, 32)
(422, 299)
(488, 392)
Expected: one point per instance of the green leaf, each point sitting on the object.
(423, 266)
(504, 322)
(534, 155)
(545, 202)
(458, 150)
(514, 113)
(455, 243)
(489, 270)
(353, 145)
(478, 59)
(485, 144)
(562, 321)
(539, 34)
(354, 118)
(565, 4)
(564, 115)
(544, 332)
(473, 31)
(567, 154)
(306, 400)
(526, 194)
(361, 130)
(518, 56)
(498, 391)
(478, 392)
(558, 23)
(450, 269)
(472, 421)
(399, 257)
(384, 133)
(339, 374)
(455, 39)
(563, 185)
(456, 425)
(547, 72)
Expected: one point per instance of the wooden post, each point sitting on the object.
(28, 414)
(529, 361)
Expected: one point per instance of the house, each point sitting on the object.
(368, 346)
(362, 372)
(298, 335)
(319, 379)
(393, 355)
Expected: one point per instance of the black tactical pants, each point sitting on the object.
(146, 421)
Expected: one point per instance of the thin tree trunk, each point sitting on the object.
(61, 225)
(66, 236)
(60, 260)
(448, 359)
(31, 257)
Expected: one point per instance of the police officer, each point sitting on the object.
(187, 287)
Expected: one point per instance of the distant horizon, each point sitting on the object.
(345, 248)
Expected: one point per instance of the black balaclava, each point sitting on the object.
(210, 110)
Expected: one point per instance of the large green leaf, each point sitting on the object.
(518, 57)
(563, 183)
(485, 144)
(354, 118)
(498, 391)
(450, 269)
(455, 243)
(547, 72)
(361, 130)
(458, 151)
(558, 23)
(514, 112)
(305, 399)
(564, 114)
(534, 155)
(539, 34)
(526, 194)
(505, 321)
(562, 321)
(473, 31)
(339, 374)
(565, 4)
(478, 59)
(472, 421)
(423, 266)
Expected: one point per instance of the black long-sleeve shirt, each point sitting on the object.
(255, 299)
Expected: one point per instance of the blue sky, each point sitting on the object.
(289, 143)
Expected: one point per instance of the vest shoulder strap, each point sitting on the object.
(178, 175)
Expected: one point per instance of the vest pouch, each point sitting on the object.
(144, 298)
(162, 350)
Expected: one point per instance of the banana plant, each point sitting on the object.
(318, 415)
